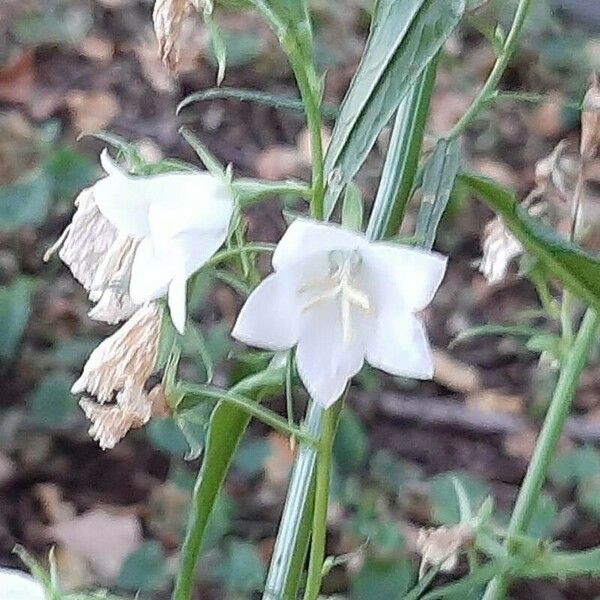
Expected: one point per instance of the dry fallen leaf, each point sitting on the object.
(103, 539)
(92, 110)
(454, 374)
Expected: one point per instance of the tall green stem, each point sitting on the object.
(488, 91)
(293, 511)
(398, 174)
(556, 416)
(319, 529)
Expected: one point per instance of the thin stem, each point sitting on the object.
(556, 416)
(293, 511)
(252, 408)
(489, 87)
(402, 158)
(319, 529)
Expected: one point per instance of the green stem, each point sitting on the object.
(319, 528)
(252, 408)
(487, 92)
(556, 416)
(293, 511)
(402, 157)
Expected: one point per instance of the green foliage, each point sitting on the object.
(390, 473)
(237, 48)
(445, 506)
(241, 569)
(15, 306)
(25, 202)
(543, 517)
(588, 496)
(352, 208)
(145, 569)
(51, 403)
(438, 182)
(250, 457)
(351, 444)
(166, 435)
(405, 36)
(382, 579)
(575, 268)
(575, 465)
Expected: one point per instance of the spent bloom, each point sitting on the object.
(118, 370)
(341, 299)
(134, 239)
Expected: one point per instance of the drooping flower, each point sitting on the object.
(342, 299)
(118, 369)
(17, 585)
(135, 239)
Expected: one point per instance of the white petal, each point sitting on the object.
(416, 274)
(270, 316)
(177, 302)
(398, 345)
(325, 363)
(305, 236)
(15, 585)
(150, 274)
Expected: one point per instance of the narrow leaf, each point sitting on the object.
(352, 208)
(208, 159)
(405, 36)
(438, 181)
(578, 270)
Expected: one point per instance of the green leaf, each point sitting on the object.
(578, 270)
(390, 473)
(15, 301)
(145, 569)
(574, 466)
(166, 435)
(69, 172)
(588, 496)
(219, 43)
(405, 36)
(352, 208)
(227, 426)
(443, 499)
(256, 96)
(51, 403)
(208, 159)
(251, 456)
(525, 331)
(195, 345)
(241, 569)
(379, 579)
(438, 181)
(351, 445)
(250, 191)
(25, 202)
(543, 517)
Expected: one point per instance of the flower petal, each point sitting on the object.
(416, 274)
(270, 316)
(177, 302)
(325, 361)
(151, 273)
(398, 345)
(305, 236)
(15, 585)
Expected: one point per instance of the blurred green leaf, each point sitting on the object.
(574, 465)
(351, 444)
(56, 25)
(438, 181)
(250, 457)
(240, 48)
(15, 301)
(391, 473)
(69, 172)
(405, 36)
(166, 435)
(379, 579)
(352, 208)
(219, 522)
(443, 499)
(575, 268)
(588, 496)
(25, 202)
(70, 354)
(52, 403)
(145, 569)
(242, 569)
(543, 517)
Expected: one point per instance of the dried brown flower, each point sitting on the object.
(442, 546)
(500, 247)
(169, 17)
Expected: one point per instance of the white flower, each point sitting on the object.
(135, 239)
(16, 585)
(342, 299)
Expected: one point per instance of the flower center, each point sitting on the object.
(340, 285)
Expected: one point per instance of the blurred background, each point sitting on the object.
(116, 518)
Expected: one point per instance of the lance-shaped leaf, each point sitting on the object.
(438, 182)
(578, 270)
(405, 36)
